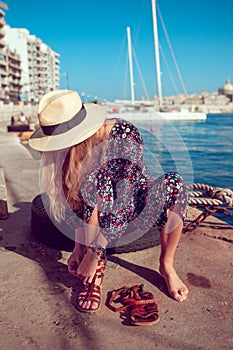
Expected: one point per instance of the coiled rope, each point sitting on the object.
(209, 195)
(212, 199)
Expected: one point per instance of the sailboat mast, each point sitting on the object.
(156, 47)
(130, 64)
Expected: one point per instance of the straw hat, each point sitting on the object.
(65, 121)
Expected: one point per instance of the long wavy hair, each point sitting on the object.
(63, 172)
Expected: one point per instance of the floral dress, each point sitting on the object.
(123, 189)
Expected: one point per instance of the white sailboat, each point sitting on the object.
(144, 110)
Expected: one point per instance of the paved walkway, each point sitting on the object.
(37, 293)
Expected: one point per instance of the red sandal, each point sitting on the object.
(91, 291)
(142, 306)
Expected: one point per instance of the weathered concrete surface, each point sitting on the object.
(3, 196)
(38, 294)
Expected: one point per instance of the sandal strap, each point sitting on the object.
(132, 302)
(113, 297)
(100, 270)
(129, 301)
(91, 291)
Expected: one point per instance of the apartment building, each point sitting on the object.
(13, 86)
(39, 64)
(3, 63)
(10, 69)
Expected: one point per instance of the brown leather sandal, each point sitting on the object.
(91, 291)
(142, 306)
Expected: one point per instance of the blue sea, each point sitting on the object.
(200, 151)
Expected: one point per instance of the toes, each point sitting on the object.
(184, 293)
(87, 305)
(94, 306)
(176, 295)
(181, 294)
(81, 303)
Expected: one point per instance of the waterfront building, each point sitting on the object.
(215, 98)
(227, 90)
(12, 82)
(10, 69)
(39, 64)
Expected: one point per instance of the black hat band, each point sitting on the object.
(63, 127)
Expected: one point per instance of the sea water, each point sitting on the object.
(200, 151)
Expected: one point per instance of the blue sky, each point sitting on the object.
(90, 37)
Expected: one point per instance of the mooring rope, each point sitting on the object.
(210, 196)
(213, 199)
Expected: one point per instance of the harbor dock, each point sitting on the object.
(37, 309)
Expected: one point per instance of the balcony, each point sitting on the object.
(2, 43)
(3, 51)
(14, 66)
(2, 33)
(3, 63)
(13, 55)
(15, 75)
(2, 22)
(14, 89)
(15, 82)
(4, 82)
(3, 72)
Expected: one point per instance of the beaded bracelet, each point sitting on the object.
(96, 249)
(98, 252)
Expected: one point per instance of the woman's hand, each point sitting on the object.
(76, 258)
(87, 268)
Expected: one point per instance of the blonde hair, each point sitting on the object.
(63, 172)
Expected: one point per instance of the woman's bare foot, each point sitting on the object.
(89, 298)
(176, 287)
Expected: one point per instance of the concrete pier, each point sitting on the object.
(37, 309)
(3, 196)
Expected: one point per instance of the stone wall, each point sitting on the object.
(9, 110)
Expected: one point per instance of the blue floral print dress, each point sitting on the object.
(123, 190)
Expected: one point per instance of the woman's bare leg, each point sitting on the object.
(170, 236)
(92, 232)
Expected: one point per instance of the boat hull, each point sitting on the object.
(151, 116)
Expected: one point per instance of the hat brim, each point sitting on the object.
(95, 117)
